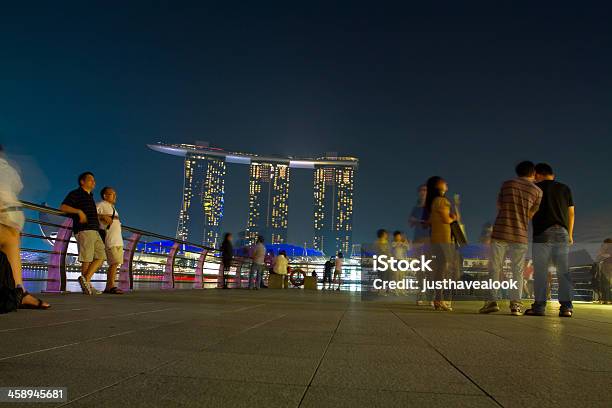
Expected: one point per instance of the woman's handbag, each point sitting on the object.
(102, 231)
(9, 295)
(457, 234)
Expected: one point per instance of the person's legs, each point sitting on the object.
(496, 265)
(440, 263)
(560, 253)
(541, 262)
(93, 268)
(110, 276)
(605, 283)
(518, 252)
(10, 245)
(338, 278)
(260, 271)
(253, 275)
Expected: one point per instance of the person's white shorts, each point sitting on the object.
(90, 246)
(114, 255)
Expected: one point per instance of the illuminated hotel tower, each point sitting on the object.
(202, 207)
(333, 206)
(268, 202)
(203, 194)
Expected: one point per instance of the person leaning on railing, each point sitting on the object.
(12, 292)
(81, 205)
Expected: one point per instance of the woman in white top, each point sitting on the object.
(281, 264)
(11, 224)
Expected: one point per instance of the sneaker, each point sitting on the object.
(534, 312)
(85, 286)
(566, 312)
(489, 307)
(516, 309)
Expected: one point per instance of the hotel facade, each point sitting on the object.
(202, 204)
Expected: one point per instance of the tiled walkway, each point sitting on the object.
(295, 348)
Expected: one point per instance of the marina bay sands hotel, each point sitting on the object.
(204, 187)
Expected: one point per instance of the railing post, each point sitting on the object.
(168, 282)
(126, 272)
(199, 270)
(57, 261)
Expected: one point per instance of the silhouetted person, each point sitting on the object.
(517, 201)
(227, 254)
(553, 233)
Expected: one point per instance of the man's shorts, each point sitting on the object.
(114, 255)
(90, 246)
(337, 272)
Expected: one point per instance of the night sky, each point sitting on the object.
(412, 89)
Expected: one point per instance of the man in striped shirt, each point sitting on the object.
(517, 202)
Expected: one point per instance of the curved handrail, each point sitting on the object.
(56, 279)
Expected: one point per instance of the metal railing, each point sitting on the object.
(150, 260)
(154, 261)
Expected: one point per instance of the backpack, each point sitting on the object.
(9, 295)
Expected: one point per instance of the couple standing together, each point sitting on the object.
(533, 194)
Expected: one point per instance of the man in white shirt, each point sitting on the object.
(113, 241)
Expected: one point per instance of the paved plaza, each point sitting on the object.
(295, 348)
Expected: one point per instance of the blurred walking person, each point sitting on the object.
(259, 264)
(110, 228)
(227, 255)
(440, 215)
(517, 202)
(81, 205)
(419, 222)
(338, 269)
(12, 292)
(399, 248)
(553, 233)
(604, 278)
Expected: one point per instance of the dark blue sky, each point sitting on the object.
(412, 89)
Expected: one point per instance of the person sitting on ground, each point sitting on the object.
(81, 206)
(11, 224)
(113, 240)
(281, 265)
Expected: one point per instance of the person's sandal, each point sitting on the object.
(38, 306)
(113, 291)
